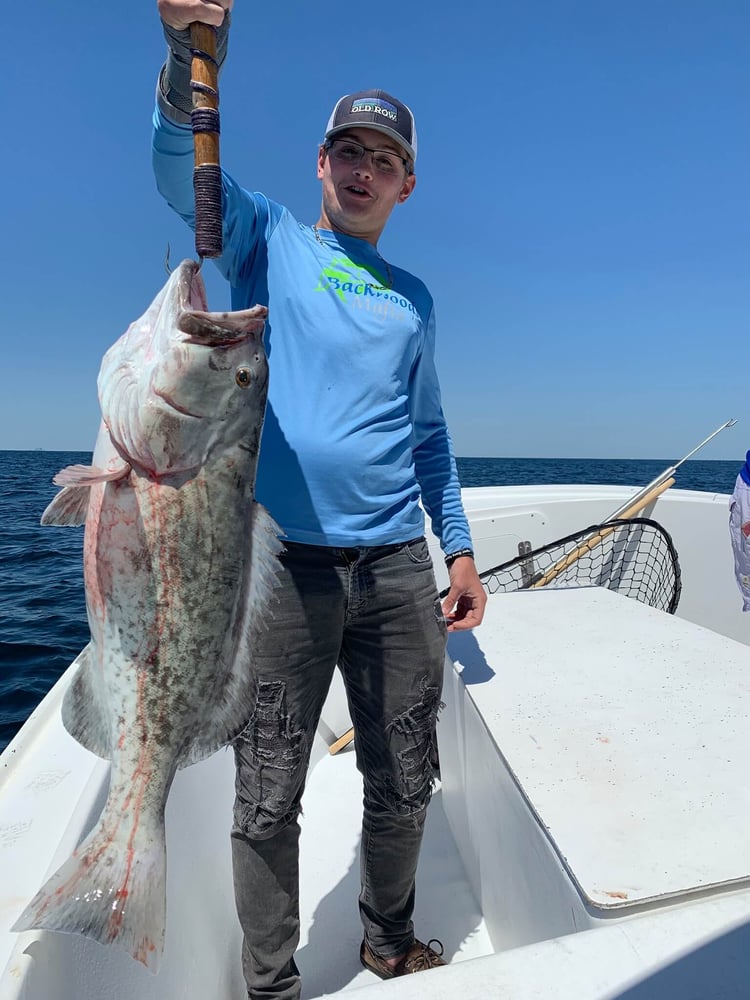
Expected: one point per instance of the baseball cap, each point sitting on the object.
(377, 110)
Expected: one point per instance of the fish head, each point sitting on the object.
(182, 382)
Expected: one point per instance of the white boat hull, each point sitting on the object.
(494, 882)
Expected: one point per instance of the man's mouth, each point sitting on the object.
(357, 191)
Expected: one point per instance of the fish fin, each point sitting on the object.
(87, 475)
(110, 890)
(233, 704)
(83, 714)
(265, 567)
(68, 508)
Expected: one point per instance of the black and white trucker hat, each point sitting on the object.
(378, 110)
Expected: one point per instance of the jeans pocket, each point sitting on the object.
(418, 551)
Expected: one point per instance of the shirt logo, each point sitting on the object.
(343, 276)
(354, 283)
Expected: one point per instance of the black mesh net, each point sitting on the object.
(634, 557)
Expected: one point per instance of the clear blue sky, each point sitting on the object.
(581, 214)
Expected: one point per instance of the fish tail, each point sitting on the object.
(109, 891)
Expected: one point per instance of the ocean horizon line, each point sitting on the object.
(493, 458)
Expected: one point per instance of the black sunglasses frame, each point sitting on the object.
(327, 143)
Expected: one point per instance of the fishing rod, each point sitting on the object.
(204, 83)
(635, 501)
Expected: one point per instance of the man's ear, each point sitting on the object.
(321, 161)
(407, 188)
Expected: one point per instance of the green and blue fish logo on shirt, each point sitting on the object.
(344, 276)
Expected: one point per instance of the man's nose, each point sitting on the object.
(366, 164)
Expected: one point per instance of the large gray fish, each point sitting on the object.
(179, 564)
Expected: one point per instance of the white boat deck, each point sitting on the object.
(446, 908)
(626, 730)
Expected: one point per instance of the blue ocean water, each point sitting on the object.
(43, 622)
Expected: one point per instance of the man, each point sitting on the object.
(354, 436)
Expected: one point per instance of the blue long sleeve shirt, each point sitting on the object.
(354, 431)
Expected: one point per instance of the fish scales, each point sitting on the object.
(179, 567)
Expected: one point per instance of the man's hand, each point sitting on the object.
(464, 604)
(180, 14)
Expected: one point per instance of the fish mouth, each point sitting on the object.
(201, 327)
(207, 329)
(191, 290)
(212, 329)
(222, 329)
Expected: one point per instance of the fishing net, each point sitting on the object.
(635, 557)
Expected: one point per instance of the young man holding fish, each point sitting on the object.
(354, 436)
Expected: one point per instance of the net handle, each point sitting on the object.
(669, 472)
(204, 82)
(590, 543)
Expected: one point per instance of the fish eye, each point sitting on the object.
(243, 377)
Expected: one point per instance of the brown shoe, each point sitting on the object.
(418, 958)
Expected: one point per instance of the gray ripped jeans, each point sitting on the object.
(374, 611)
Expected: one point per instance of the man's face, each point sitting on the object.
(358, 198)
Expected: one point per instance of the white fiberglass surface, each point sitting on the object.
(331, 932)
(626, 729)
(202, 950)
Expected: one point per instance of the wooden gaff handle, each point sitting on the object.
(592, 542)
(341, 742)
(204, 82)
